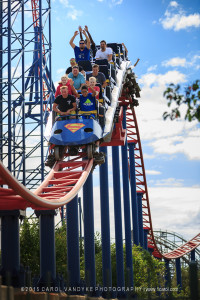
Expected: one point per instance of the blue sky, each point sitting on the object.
(165, 36)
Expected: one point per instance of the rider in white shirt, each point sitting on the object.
(104, 52)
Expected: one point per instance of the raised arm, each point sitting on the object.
(90, 37)
(125, 48)
(71, 42)
(80, 31)
(87, 39)
(93, 91)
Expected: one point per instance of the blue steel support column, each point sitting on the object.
(10, 247)
(1, 79)
(9, 90)
(80, 226)
(133, 194)
(127, 209)
(105, 221)
(23, 99)
(178, 273)
(73, 258)
(88, 208)
(192, 255)
(118, 219)
(47, 248)
(167, 274)
(193, 280)
(140, 219)
(41, 88)
(146, 231)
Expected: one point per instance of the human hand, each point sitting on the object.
(68, 112)
(76, 33)
(86, 28)
(71, 81)
(84, 32)
(62, 113)
(80, 28)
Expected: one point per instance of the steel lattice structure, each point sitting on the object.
(26, 87)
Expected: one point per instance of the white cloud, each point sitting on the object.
(60, 71)
(165, 137)
(73, 13)
(170, 182)
(183, 62)
(190, 146)
(152, 68)
(117, 2)
(175, 18)
(65, 2)
(175, 62)
(162, 79)
(148, 156)
(173, 4)
(175, 209)
(152, 172)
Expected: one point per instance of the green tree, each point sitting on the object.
(191, 98)
(61, 250)
(29, 244)
(148, 271)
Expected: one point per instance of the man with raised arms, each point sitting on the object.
(83, 51)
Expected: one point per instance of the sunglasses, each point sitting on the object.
(81, 43)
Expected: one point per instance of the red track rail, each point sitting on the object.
(141, 186)
(60, 186)
(184, 249)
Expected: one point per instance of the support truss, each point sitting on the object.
(26, 88)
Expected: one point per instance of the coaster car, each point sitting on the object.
(70, 135)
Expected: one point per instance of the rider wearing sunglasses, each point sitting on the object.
(83, 51)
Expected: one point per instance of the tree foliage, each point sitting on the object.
(191, 99)
(30, 244)
(148, 271)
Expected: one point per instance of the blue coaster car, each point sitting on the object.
(75, 133)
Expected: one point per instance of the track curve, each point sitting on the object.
(60, 186)
(141, 186)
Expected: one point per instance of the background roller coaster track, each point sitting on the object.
(67, 177)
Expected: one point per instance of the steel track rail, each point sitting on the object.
(141, 186)
(60, 186)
